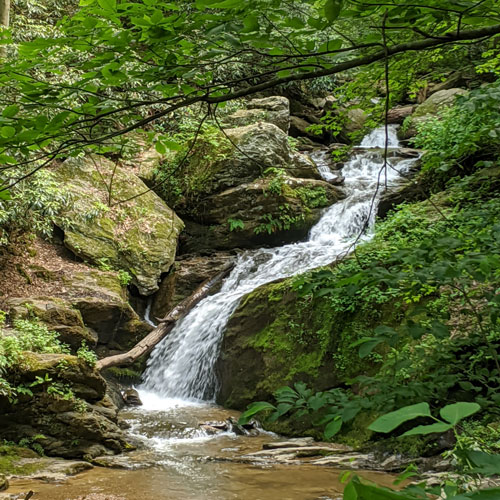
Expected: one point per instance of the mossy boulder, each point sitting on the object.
(90, 306)
(428, 109)
(139, 235)
(67, 413)
(277, 338)
(85, 381)
(438, 101)
(58, 315)
(268, 211)
(275, 110)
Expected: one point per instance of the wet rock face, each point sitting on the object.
(70, 414)
(262, 349)
(268, 211)
(188, 272)
(4, 482)
(139, 236)
(131, 397)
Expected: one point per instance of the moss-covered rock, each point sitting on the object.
(438, 101)
(275, 110)
(66, 413)
(88, 306)
(139, 235)
(58, 315)
(268, 211)
(277, 338)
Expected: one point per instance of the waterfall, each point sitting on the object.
(182, 365)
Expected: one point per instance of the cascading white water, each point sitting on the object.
(182, 365)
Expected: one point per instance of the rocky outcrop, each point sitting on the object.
(275, 338)
(68, 413)
(430, 108)
(274, 109)
(138, 236)
(269, 211)
(438, 101)
(58, 315)
(246, 187)
(90, 306)
(188, 273)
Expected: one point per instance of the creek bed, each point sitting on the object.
(180, 460)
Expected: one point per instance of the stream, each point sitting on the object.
(180, 459)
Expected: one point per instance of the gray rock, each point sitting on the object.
(119, 235)
(131, 398)
(438, 101)
(275, 110)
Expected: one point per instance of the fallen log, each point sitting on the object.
(146, 345)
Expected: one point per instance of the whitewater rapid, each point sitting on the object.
(182, 365)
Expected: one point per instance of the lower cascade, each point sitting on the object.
(182, 365)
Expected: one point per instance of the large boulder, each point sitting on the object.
(58, 315)
(428, 109)
(275, 338)
(68, 413)
(88, 306)
(268, 211)
(275, 110)
(139, 235)
(354, 121)
(438, 101)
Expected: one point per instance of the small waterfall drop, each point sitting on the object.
(182, 365)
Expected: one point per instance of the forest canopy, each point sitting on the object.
(111, 66)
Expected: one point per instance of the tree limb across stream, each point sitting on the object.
(146, 345)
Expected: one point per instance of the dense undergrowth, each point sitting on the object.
(435, 265)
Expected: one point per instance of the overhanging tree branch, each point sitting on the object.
(208, 96)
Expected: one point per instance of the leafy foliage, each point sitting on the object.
(463, 137)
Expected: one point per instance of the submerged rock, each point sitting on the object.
(131, 397)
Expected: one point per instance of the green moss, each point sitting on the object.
(11, 455)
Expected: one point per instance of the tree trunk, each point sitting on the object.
(4, 22)
(146, 345)
(5, 13)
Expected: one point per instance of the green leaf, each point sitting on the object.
(455, 412)
(368, 347)
(160, 148)
(428, 429)
(333, 427)
(371, 492)
(485, 463)
(389, 421)
(107, 4)
(490, 494)
(10, 111)
(7, 132)
(332, 9)
(5, 194)
(253, 409)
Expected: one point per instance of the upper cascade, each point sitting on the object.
(182, 365)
